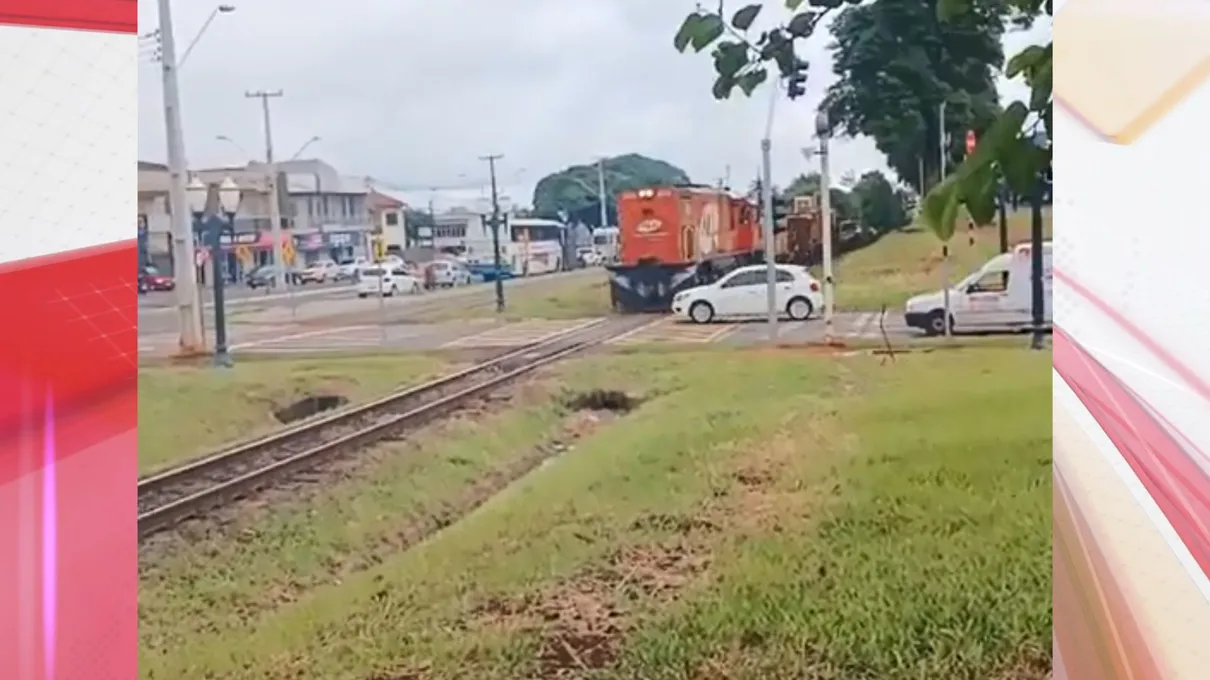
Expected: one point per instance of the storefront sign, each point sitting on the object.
(339, 239)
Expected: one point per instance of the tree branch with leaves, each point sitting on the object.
(744, 60)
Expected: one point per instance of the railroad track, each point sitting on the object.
(212, 481)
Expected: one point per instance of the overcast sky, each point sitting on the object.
(412, 92)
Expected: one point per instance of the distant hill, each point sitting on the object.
(574, 190)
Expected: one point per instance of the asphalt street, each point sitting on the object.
(157, 311)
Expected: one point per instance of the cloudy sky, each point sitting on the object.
(412, 92)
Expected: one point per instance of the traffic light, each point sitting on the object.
(797, 85)
(781, 210)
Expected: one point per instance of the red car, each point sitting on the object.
(152, 279)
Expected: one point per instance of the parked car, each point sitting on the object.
(151, 278)
(744, 293)
(488, 272)
(448, 274)
(266, 276)
(347, 269)
(319, 272)
(387, 281)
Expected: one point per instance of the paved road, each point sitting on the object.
(488, 333)
(336, 306)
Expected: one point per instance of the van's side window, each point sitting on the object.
(995, 282)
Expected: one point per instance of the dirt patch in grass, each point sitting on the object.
(581, 622)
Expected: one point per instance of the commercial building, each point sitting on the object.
(324, 215)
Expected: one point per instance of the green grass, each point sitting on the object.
(186, 411)
(576, 297)
(908, 262)
(897, 527)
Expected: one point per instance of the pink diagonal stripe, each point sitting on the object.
(1179, 486)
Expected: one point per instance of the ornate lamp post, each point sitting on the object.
(212, 227)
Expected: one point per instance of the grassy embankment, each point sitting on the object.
(761, 515)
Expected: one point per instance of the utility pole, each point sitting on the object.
(766, 199)
(824, 131)
(945, 247)
(184, 261)
(1037, 261)
(601, 191)
(279, 259)
(941, 139)
(491, 164)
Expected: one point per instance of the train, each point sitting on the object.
(672, 238)
(676, 237)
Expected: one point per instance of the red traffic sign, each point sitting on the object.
(971, 141)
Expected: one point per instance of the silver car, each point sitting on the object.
(448, 274)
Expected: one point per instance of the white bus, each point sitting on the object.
(535, 246)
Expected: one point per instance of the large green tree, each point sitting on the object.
(1015, 150)
(897, 62)
(899, 66)
(574, 190)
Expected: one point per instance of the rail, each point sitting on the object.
(167, 498)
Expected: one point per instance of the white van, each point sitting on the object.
(998, 296)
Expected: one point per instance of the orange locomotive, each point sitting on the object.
(677, 237)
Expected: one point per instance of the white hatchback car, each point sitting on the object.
(744, 293)
(387, 281)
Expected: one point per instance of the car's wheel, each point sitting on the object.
(701, 312)
(799, 309)
(363, 295)
(936, 323)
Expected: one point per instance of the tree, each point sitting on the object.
(898, 63)
(574, 190)
(1015, 149)
(879, 205)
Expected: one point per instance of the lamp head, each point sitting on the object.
(229, 196)
(195, 196)
(823, 126)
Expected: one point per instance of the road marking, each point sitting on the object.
(721, 333)
(294, 336)
(670, 330)
(861, 324)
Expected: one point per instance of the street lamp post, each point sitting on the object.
(214, 226)
(220, 9)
